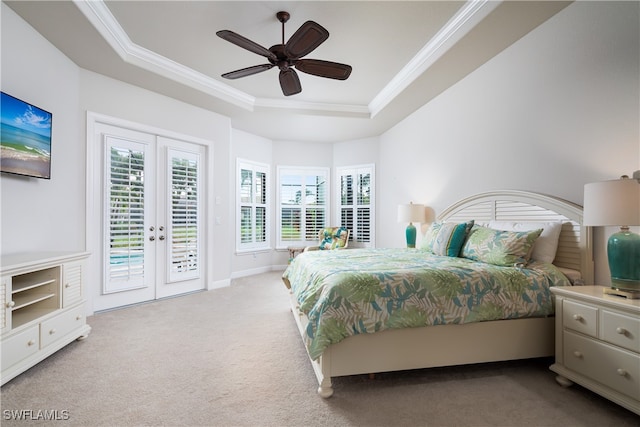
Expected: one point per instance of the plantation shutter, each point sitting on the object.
(356, 204)
(125, 213)
(303, 205)
(184, 246)
(253, 232)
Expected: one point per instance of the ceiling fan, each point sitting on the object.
(288, 55)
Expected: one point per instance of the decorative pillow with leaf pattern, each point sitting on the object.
(497, 247)
(446, 238)
(334, 238)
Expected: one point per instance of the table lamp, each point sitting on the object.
(411, 213)
(617, 203)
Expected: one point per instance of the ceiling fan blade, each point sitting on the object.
(289, 82)
(247, 71)
(308, 37)
(317, 67)
(245, 43)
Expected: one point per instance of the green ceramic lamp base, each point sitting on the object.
(623, 251)
(411, 235)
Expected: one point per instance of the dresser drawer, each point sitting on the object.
(611, 366)
(19, 346)
(59, 326)
(580, 317)
(621, 330)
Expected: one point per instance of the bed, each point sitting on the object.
(384, 334)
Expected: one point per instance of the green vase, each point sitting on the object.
(411, 236)
(623, 251)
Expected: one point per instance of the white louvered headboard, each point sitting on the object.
(575, 249)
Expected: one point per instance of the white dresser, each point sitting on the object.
(598, 343)
(42, 307)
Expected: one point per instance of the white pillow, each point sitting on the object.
(546, 245)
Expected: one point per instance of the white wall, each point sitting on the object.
(554, 111)
(37, 214)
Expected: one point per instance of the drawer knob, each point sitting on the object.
(31, 342)
(66, 285)
(621, 331)
(52, 331)
(577, 317)
(621, 372)
(577, 354)
(11, 304)
(78, 317)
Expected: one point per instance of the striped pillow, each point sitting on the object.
(446, 238)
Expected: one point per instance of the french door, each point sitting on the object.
(152, 210)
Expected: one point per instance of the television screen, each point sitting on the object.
(25, 138)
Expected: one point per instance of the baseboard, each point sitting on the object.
(219, 284)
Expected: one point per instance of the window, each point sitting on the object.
(303, 205)
(252, 193)
(356, 193)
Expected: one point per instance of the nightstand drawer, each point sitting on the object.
(620, 330)
(580, 317)
(611, 366)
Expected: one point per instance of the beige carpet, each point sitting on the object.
(233, 357)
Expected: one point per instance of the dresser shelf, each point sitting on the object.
(41, 307)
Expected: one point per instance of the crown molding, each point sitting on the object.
(99, 15)
(343, 110)
(458, 26)
(109, 28)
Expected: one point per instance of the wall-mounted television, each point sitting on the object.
(25, 138)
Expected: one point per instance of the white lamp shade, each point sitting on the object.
(411, 213)
(615, 202)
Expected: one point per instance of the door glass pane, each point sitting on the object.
(125, 264)
(184, 244)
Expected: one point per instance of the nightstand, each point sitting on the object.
(598, 343)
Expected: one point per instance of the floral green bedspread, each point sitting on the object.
(356, 291)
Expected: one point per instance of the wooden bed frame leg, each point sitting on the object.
(325, 390)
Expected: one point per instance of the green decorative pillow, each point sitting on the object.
(446, 238)
(334, 238)
(498, 247)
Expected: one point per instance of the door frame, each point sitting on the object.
(94, 197)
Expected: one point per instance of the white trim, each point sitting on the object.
(99, 15)
(464, 20)
(92, 207)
